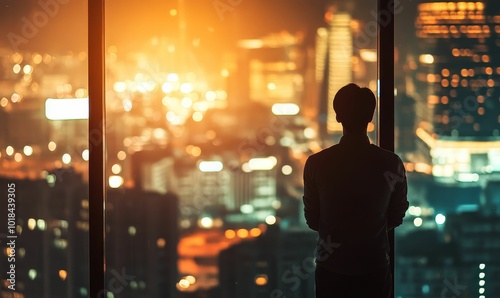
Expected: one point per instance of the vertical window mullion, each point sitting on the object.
(96, 146)
(385, 19)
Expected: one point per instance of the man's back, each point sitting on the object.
(353, 193)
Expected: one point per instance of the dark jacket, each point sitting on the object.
(354, 192)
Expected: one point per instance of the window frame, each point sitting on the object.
(97, 120)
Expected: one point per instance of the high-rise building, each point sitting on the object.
(457, 79)
(285, 268)
(334, 70)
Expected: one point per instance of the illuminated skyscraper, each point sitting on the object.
(458, 79)
(337, 66)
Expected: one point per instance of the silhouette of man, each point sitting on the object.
(354, 193)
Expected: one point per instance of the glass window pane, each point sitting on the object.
(447, 108)
(43, 149)
(212, 108)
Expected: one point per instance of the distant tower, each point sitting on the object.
(335, 70)
(458, 111)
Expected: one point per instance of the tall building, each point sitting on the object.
(457, 80)
(141, 243)
(280, 263)
(334, 70)
(51, 251)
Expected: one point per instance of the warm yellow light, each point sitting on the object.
(116, 169)
(286, 170)
(9, 150)
(197, 116)
(121, 155)
(16, 68)
(255, 232)
(186, 87)
(4, 102)
(27, 69)
(85, 154)
(242, 233)
(120, 87)
(67, 109)
(285, 109)
(210, 166)
(28, 150)
(210, 95)
(270, 219)
(184, 283)
(206, 222)
(31, 224)
(52, 146)
(115, 181)
(261, 280)
(230, 234)
(63, 274)
(426, 59)
(190, 278)
(262, 163)
(161, 243)
(368, 55)
(66, 158)
(18, 157)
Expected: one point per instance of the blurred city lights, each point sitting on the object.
(52, 146)
(255, 232)
(210, 166)
(9, 150)
(246, 208)
(206, 222)
(161, 243)
(115, 181)
(28, 150)
(32, 274)
(242, 233)
(230, 234)
(66, 158)
(172, 77)
(31, 224)
(116, 169)
(440, 219)
(262, 163)
(63, 274)
(285, 109)
(85, 154)
(270, 219)
(286, 170)
(121, 155)
(197, 116)
(18, 157)
(67, 109)
(184, 283)
(41, 224)
(261, 280)
(426, 59)
(417, 222)
(190, 278)
(210, 95)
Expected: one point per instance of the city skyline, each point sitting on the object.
(221, 116)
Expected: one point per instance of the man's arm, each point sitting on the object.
(399, 202)
(310, 198)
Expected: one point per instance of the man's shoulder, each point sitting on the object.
(324, 153)
(385, 154)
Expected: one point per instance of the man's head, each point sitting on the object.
(354, 106)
